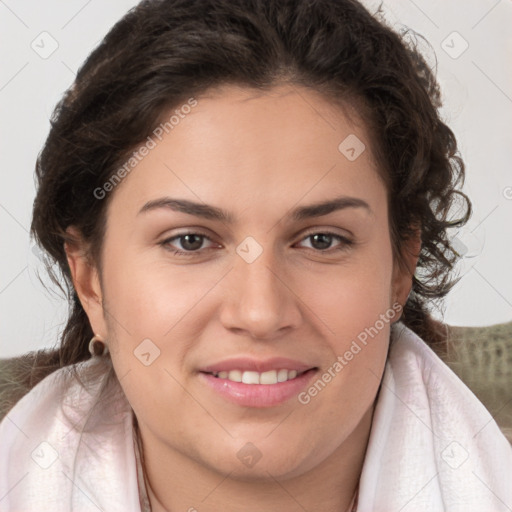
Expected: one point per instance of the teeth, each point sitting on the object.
(282, 375)
(269, 377)
(235, 376)
(250, 377)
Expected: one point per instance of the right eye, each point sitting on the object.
(190, 242)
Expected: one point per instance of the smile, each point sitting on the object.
(266, 378)
(254, 389)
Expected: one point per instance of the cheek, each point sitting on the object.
(350, 297)
(151, 321)
(154, 299)
(354, 305)
(156, 315)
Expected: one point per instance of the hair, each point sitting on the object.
(164, 52)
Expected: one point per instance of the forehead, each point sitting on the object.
(248, 149)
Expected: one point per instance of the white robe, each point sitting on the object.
(433, 446)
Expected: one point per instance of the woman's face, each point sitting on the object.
(268, 281)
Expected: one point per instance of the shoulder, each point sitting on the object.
(18, 375)
(456, 380)
(428, 426)
(76, 421)
(72, 387)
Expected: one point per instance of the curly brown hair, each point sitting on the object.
(165, 51)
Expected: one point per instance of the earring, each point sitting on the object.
(97, 347)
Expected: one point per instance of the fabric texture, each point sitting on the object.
(433, 446)
(68, 445)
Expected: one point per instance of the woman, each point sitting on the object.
(250, 202)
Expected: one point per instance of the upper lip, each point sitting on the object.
(257, 365)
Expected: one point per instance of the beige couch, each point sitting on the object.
(482, 358)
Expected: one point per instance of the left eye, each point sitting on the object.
(322, 241)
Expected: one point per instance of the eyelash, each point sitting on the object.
(345, 242)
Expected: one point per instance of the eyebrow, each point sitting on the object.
(214, 213)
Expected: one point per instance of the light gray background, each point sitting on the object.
(477, 86)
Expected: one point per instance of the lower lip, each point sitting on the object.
(258, 395)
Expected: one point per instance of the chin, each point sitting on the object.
(264, 460)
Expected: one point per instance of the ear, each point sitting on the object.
(403, 271)
(85, 280)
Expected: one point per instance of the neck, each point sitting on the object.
(330, 486)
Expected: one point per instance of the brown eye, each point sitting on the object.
(186, 243)
(191, 242)
(323, 241)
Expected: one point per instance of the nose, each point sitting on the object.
(261, 303)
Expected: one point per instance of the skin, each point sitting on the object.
(256, 155)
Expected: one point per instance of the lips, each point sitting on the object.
(258, 383)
